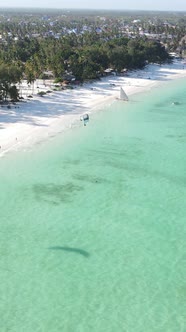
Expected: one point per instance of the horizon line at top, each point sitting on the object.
(91, 9)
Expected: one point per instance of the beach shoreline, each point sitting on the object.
(37, 119)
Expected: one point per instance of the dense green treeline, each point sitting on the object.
(85, 56)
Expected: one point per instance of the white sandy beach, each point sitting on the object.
(39, 118)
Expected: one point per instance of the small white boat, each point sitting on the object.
(123, 95)
(84, 117)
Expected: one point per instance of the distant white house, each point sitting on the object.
(136, 21)
(109, 71)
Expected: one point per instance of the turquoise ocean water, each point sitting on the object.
(92, 223)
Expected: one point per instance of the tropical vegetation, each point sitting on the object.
(77, 48)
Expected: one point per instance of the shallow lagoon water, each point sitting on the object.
(92, 223)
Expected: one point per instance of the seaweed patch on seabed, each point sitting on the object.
(90, 179)
(71, 162)
(178, 138)
(55, 194)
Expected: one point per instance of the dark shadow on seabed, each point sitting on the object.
(56, 193)
(73, 250)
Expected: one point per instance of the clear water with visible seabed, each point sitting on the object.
(92, 223)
